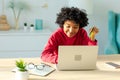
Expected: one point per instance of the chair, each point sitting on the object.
(113, 44)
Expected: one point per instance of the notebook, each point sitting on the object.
(43, 72)
(77, 57)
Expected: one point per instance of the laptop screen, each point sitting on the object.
(77, 57)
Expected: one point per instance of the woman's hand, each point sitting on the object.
(93, 31)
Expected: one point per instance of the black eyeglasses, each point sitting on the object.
(33, 66)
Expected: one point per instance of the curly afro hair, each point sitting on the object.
(74, 14)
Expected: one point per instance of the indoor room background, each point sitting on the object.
(47, 10)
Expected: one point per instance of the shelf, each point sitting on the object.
(24, 33)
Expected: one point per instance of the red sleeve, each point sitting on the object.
(49, 53)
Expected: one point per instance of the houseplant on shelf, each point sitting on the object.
(17, 7)
(21, 72)
(32, 27)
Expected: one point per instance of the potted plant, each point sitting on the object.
(25, 26)
(17, 7)
(21, 72)
(32, 27)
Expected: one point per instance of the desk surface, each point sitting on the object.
(104, 72)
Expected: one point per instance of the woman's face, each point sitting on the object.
(70, 28)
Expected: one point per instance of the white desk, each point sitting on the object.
(103, 72)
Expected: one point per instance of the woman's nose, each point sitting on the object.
(71, 29)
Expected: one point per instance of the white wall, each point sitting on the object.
(98, 18)
(36, 12)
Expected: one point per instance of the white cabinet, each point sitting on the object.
(22, 43)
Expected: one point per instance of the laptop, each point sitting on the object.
(77, 57)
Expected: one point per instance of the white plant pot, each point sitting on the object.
(21, 75)
(25, 28)
(31, 28)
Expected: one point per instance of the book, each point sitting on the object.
(116, 66)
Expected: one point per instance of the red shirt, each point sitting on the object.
(50, 52)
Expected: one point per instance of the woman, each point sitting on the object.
(70, 32)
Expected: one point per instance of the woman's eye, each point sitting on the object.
(76, 27)
(68, 26)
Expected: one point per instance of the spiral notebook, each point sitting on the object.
(43, 72)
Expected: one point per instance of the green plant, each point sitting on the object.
(32, 25)
(25, 24)
(17, 7)
(21, 65)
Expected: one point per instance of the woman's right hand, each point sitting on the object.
(93, 31)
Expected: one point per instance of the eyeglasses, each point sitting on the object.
(33, 66)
